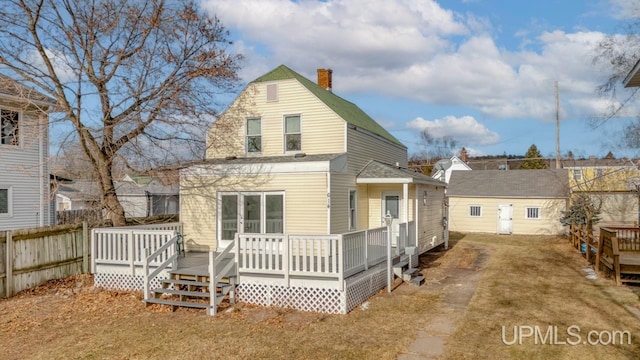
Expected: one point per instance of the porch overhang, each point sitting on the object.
(376, 172)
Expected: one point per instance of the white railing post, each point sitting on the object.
(341, 265)
(145, 269)
(132, 264)
(94, 254)
(366, 249)
(172, 251)
(286, 258)
(212, 285)
(236, 239)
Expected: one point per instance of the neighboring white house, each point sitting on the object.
(24, 173)
(456, 165)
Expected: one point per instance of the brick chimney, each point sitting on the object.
(463, 155)
(324, 78)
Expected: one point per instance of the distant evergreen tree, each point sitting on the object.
(533, 159)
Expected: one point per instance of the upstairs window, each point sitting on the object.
(9, 127)
(577, 175)
(254, 135)
(292, 135)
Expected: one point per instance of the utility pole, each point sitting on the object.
(557, 127)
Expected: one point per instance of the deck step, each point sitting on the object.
(185, 282)
(399, 268)
(417, 280)
(176, 303)
(195, 294)
(409, 273)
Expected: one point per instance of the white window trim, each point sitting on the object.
(20, 126)
(351, 226)
(9, 212)
(579, 177)
(246, 136)
(474, 216)
(284, 134)
(526, 212)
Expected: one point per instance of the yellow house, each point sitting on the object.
(290, 156)
(311, 195)
(611, 185)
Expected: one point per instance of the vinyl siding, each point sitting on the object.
(20, 170)
(363, 146)
(305, 203)
(430, 218)
(322, 131)
(550, 212)
(340, 187)
(375, 191)
(134, 205)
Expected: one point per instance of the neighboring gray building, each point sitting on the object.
(508, 202)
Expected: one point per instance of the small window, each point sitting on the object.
(599, 172)
(352, 209)
(4, 201)
(292, 135)
(254, 135)
(577, 174)
(9, 127)
(272, 92)
(475, 211)
(533, 213)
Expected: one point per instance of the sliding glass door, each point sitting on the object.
(249, 213)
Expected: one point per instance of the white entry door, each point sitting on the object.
(391, 203)
(505, 218)
(249, 213)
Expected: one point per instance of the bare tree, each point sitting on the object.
(136, 81)
(618, 53)
(436, 147)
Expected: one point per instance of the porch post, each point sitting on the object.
(388, 220)
(405, 195)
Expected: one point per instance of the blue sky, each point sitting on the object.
(480, 71)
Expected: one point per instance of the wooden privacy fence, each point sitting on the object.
(29, 257)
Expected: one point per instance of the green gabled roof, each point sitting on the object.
(347, 110)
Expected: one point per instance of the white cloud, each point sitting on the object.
(465, 130)
(416, 49)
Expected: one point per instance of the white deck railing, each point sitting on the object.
(406, 236)
(125, 246)
(363, 249)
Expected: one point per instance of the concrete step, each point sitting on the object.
(417, 280)
(400, 267)
(409, 273)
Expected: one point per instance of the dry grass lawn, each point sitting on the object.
(526, 281)
(538, 281)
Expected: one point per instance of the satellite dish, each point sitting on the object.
(443, 164)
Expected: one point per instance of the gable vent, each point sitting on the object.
(272, 92)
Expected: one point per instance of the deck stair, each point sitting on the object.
(189, 287)
(408, 274)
